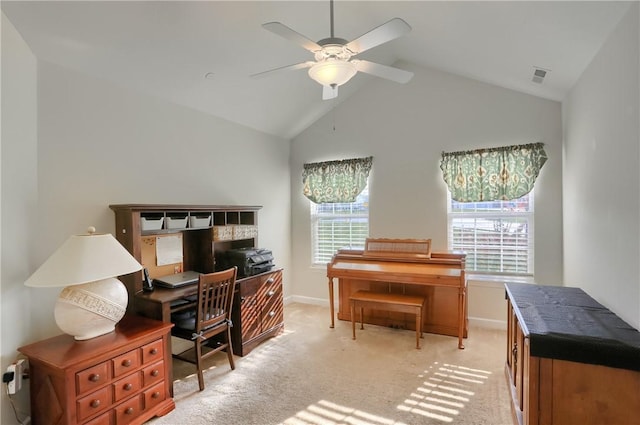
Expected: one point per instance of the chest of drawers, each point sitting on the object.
(119, 378)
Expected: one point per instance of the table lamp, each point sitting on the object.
(93, 300)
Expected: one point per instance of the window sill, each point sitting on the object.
(493, 280)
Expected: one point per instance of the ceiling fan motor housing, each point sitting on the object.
(333, 51)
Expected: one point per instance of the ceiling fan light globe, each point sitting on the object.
(332, 73)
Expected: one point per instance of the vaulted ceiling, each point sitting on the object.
(201, 54)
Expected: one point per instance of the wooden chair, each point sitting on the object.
(211, 318)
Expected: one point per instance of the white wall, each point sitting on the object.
(406, 128)
(601, 178)
(18, 166)
(99, 144)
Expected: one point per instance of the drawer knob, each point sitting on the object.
(270, 280)
(154, 351)
(94, 377)
(128, 411)
(127, 386)
(270, 293)
(94, 403)
(126, 363)
(155, 394)
(155, 372)
(272, 313)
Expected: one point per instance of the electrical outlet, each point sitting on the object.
(16, 383)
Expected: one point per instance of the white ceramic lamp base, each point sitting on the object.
(91, 309)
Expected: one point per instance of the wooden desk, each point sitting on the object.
(257, 314)
(158, 304)
(440, 279)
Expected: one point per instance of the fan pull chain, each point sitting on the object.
(333, 114)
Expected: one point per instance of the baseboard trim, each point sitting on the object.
(307, 300)
(488, 323)
(475, 321)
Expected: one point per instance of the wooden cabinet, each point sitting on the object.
(569, 359)
(258, 311)
(117, 378)
(517, 355)
(205, 232)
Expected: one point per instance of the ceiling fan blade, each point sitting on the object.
(388, 31)
(390, 73)
(301, 65)
(291, 35)
(329, 92)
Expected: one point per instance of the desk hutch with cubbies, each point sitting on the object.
(207, 232)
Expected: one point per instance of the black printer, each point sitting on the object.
(250, 261)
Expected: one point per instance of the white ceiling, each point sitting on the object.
(166, 48)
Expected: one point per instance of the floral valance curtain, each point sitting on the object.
(335, 181)
(502, 173)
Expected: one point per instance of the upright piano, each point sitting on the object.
(404, 266)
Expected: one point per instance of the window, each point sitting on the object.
(335, 226)
(497, 236)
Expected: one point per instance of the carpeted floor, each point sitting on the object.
(311, 374)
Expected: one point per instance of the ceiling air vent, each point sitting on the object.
(538, 75)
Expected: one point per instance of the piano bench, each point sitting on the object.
(386, 301)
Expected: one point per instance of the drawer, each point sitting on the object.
(126, 386)
(92, 378)
(93, 403)
(270, 280)
(101, 420)
(129, 410)
(126, 363)
(270, 288)
(154, 395)
(249, 287)
(153, 352)
(153, 374)
(272, 315)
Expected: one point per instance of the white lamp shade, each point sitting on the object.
(82, 259)
(93, 300)
(333, 72)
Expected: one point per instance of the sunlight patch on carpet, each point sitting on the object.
(328, 413)
(445, 392)
(194, 375)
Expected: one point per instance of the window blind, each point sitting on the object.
(497, 236)
(338, 225)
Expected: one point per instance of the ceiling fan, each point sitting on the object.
(334, 64)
